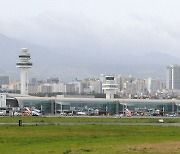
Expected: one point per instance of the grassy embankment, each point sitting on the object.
(88, 119)
(89, 139)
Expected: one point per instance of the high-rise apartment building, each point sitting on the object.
(173, 77)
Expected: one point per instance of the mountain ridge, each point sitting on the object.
(71, 63)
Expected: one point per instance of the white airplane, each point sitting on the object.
(34, 113)
(39, 111)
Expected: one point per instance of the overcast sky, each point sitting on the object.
(116, 26)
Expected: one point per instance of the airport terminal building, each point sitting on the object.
(90, 106)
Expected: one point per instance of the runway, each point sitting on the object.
(92, 123)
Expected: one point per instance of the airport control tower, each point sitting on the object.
(24, 64)
(109, 87)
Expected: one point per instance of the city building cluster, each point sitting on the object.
(124, 87)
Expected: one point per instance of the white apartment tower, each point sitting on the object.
(24, 64)
(173, 77)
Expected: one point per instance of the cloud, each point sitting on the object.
(103, 29)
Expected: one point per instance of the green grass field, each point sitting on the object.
(88, 119)
(89, 139)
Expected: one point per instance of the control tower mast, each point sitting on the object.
(24, 64)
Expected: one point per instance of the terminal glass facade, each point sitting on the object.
(112, 107)
(99, 108)
(134, 106)
(46, 106)
(90, 107)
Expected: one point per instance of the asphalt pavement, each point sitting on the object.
(91, 123)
